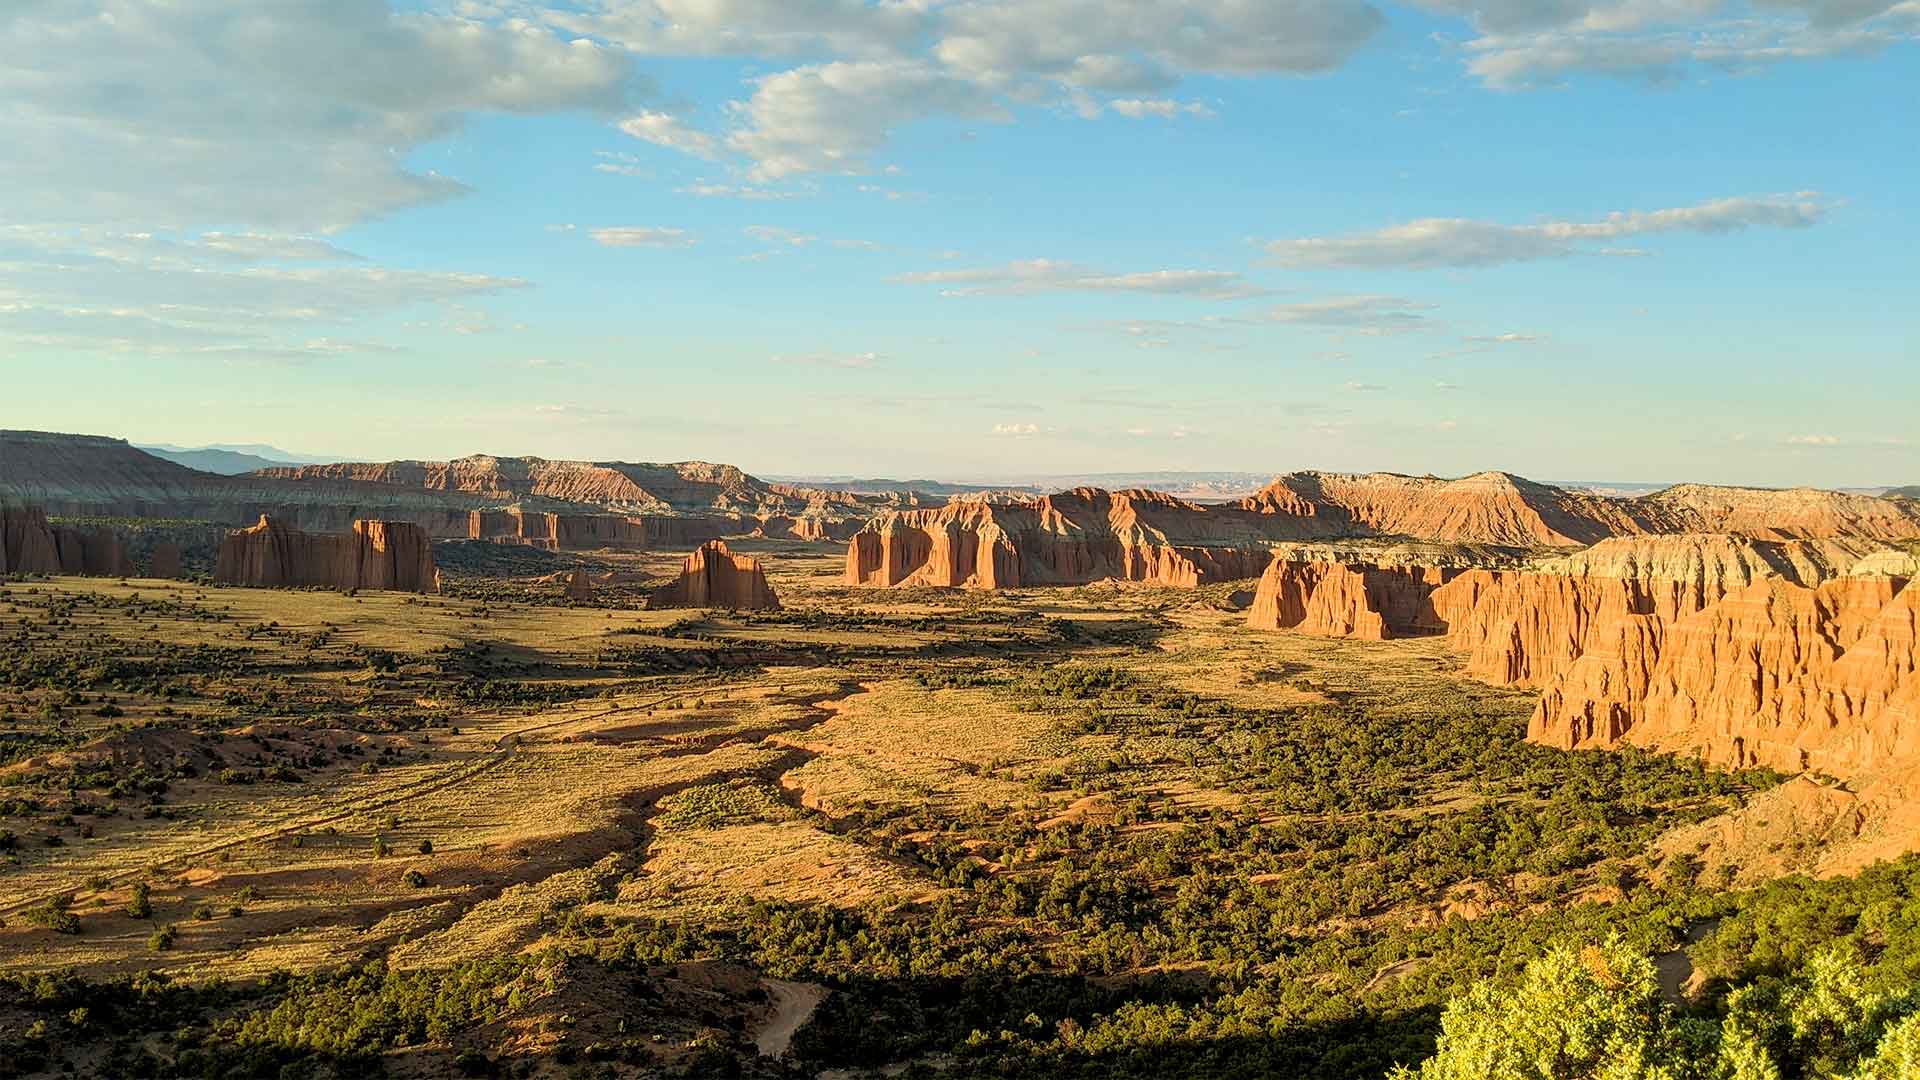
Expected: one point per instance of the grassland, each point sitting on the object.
(1048, 833)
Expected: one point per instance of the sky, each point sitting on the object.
(1606, 240)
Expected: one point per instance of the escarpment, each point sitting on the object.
(714, 577)
(384, 555)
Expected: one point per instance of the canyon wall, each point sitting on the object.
(385, 555)
(713, 577)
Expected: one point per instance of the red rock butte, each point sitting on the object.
(713, 577)
(383, 555)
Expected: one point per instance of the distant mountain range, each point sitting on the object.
(232, 459)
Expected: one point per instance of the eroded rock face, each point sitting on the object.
(384, 555)
(579, 586)
(1349, 600)
(1073, 538)
(1506, 510)
(713, 577)
(27, 544)
(1743, 652)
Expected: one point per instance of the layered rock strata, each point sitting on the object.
(376, 555)
(1349, 600)
(714, 577)
(1073, 538)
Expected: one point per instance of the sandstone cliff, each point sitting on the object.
(1072, 538)
(1505, 510)
(375, 555)
(27, 544)
(714, 577)
(1350, 600)
(30, 545)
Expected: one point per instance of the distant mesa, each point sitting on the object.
(714, 577)
(381, 555)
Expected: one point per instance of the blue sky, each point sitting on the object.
(1628, 240)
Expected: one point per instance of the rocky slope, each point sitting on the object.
(713, 577)
(386, 555)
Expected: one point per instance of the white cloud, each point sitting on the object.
(223, 294)
(1016, 431)
(1370, 315)
(1163, 108)
(664, 129)
(1053, 276)
(833, 117)
(1528, 43)
(1813, 440)
(752, 27)
(1432, 243)
(1136, 45)
(641, 236)
(288, 116)
(1357, 386)
(735, 191)
(774, 234)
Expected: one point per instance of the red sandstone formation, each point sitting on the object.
(714, 577)
(579, 586)
(663, 493)
(27, 543)
(165, 562)
(1348, 600)
(1072, 538)
(376, 555)
(1501, 509)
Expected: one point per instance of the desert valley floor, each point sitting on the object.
(1076, 831)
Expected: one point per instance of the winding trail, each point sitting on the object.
(793, 1005)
